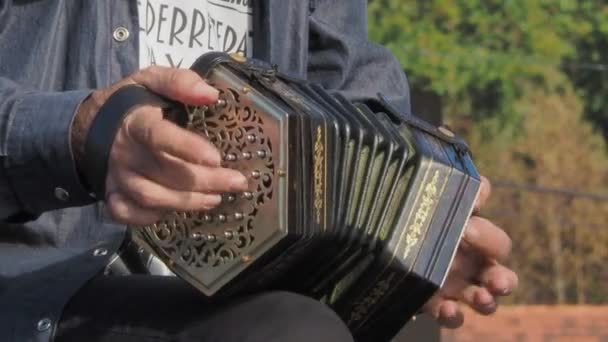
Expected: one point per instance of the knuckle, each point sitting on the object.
(148, 135)
(189, 179)
(143, 198)
(151, 70)
(200, 180)
(173, 77)
(117, 209)
(151, 132)
(157, 130)
(209, 153)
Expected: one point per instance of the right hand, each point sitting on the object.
(154, 165)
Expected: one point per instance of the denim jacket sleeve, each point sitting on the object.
(38, 172)
(341, 56)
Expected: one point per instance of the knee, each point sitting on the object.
(291, 317)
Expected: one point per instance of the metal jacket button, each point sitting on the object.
(100, 252)
(61, 194)
(121, 34)
(44, 324)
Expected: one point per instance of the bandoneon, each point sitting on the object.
(352, 203)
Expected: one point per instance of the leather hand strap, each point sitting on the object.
(106, 123)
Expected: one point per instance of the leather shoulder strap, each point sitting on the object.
(106, 123)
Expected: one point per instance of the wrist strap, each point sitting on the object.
(106, 123)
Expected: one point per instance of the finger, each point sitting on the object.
(498, 279)
(484, 236)
(123, 210)
(485, 189)
(148, 194)
(467, 263)
(183, 85)
(147, 128)
(177, 174)
(449, 314)
(446, 311)
(431, 307)
(479, 298)
(454, 287)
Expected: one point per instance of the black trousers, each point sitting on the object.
(151, 308)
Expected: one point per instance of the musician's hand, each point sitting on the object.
(477, 276)
(154, 165)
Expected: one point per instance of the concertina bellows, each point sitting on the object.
(352, 203)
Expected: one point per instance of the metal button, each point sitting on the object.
(239, 57)
(100, 252)
(446, 131)
(221, 103)
(121, 34)
(61, 194)
(44, 324)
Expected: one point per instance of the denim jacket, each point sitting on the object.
(53, 238)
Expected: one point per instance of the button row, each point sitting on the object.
(248, 195)
(222, 217)
(211, 237)
(245, 155)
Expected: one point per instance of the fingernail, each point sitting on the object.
(500, 285)
(240, 182)
(484, 299)
(203, 88)
(215, 200)
(216, 159)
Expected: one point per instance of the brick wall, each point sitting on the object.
(534, 323)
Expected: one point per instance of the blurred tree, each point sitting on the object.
(476, 54)
(588, 66)
(561, 243)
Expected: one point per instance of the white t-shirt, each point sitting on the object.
(175, 33)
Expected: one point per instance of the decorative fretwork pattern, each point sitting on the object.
(224, 234)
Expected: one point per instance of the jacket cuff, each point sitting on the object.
(40, 164)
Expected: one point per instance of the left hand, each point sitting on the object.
(476, 277)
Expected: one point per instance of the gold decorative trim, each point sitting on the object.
(421, 215)
(361, 308)
(319, 174)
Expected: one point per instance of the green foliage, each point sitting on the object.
(478, 55)
(588, 68)
(560, 244)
